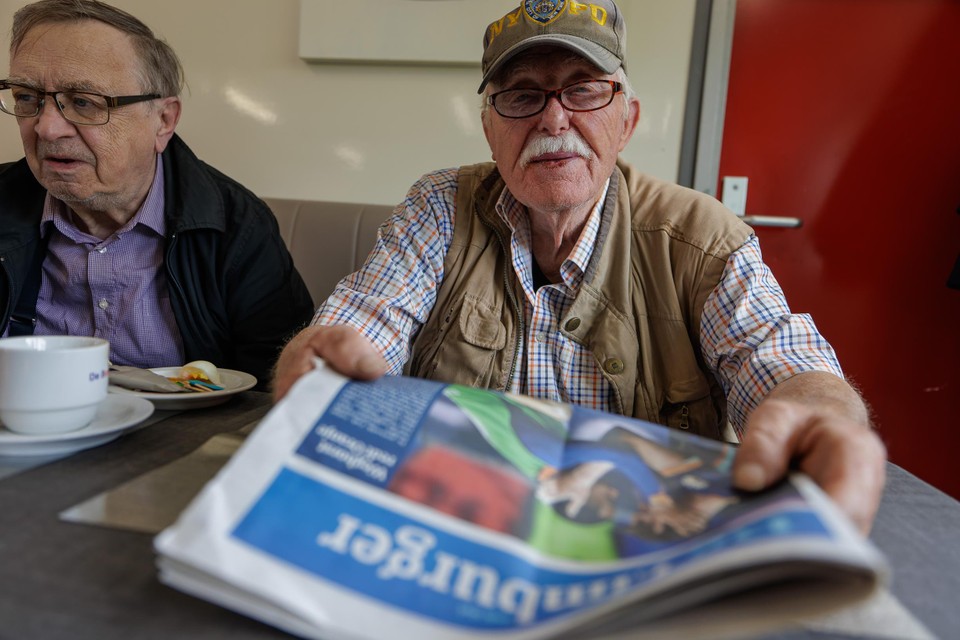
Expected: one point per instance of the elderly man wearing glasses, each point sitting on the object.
(111, 226)
(558, 272)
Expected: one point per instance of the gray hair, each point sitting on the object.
(160, 68)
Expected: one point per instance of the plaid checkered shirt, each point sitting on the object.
(748, 336)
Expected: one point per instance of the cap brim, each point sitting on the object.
(602, 58)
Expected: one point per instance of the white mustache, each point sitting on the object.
(569, 142)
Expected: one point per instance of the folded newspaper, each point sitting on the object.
(413, 509)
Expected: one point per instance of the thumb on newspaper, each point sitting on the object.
(845, 458)
(343, 348)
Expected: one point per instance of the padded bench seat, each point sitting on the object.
(328, 240)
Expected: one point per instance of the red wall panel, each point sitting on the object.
(846, 114)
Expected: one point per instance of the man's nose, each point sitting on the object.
(554, 118)
(50, 121)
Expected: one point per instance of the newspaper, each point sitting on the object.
(414, 509)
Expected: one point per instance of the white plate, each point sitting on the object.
(232, 382)
(114, 415)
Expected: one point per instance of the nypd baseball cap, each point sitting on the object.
(594, 30)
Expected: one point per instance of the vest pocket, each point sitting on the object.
(481, 325)
(687, 405)
(465, 345)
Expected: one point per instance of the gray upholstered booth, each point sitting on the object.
(328, 240)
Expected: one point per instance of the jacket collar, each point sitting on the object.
(20, 206)
(192, 199)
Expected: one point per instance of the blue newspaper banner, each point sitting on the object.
(402, 562)
(357, 437)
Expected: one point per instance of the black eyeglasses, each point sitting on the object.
(588, 95)
(78, 107)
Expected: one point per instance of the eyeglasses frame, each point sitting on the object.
(112, 101)
(549, 93)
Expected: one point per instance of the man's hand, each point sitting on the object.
(816, 423)
(343, 348)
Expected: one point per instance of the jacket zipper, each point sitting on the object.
(513, 301)
(8, 312)
(171, 280)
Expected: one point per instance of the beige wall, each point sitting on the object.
(362, 132)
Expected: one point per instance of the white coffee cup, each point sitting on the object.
(51, 384)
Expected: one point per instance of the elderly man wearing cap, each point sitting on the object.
(560, 273)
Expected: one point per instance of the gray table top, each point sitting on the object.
(66, 580)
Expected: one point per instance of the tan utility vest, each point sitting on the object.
(660, 252)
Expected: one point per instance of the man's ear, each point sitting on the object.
(168, 116)
(630, 121)
(484, 116)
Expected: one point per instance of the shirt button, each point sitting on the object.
(573, 324)
(103, 304)
(541, 337)
(102, 250)
(613, 365)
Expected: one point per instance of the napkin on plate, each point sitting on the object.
(142, 380)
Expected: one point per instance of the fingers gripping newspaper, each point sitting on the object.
(416, 509)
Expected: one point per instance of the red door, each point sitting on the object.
(846, 115)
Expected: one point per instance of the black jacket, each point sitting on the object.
(235, 293)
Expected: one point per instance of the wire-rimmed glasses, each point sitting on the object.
(586, 95)
(78, 107)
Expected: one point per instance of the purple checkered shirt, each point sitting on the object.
(749, 338)
(114, 289)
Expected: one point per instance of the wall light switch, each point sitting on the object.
(735, 194)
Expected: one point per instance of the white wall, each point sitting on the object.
(362, 132)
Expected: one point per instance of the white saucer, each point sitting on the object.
(114, 415)
(232, 382)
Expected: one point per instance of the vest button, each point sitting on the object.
(613, 365)
(573, 324)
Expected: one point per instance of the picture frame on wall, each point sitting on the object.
(395, 31)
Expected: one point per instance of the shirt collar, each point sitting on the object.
(514, 215)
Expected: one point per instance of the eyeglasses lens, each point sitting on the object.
(77, 107)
